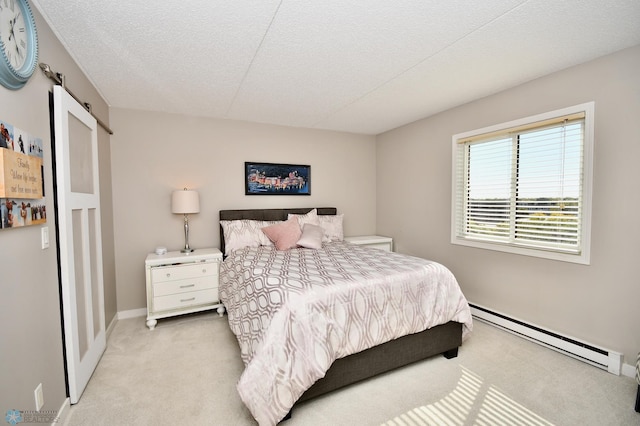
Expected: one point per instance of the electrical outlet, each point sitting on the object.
(39, 397)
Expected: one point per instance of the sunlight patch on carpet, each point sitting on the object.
(472, 402)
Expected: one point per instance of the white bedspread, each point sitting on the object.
(295, 312)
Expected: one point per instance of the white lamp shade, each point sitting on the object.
(185, 202)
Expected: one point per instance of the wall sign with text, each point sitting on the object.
(22, 201)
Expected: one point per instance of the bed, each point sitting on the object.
(291, 311)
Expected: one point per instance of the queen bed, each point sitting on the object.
(313, 319)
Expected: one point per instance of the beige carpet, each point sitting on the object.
(184, 373)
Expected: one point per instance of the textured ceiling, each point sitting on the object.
(359, 66)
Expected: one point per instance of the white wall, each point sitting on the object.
(155, 153)
(595, 303)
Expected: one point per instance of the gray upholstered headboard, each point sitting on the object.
(267, 214)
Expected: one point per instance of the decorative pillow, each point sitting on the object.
(284, 235)
(332, 226)
(310, 217)
(311, 236)
(243, 233)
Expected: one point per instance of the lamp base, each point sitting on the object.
(186, 248)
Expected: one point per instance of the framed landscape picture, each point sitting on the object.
(277, 179)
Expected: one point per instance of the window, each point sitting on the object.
(525, 186)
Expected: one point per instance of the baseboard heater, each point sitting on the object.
(591, 354)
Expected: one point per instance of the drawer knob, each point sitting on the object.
(187, 285)
(187, 300)
(168, 275)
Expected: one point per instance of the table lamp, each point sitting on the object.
(185, 202)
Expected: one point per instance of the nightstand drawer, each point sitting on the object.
(181, 300)
(165, 288)
(182, 272)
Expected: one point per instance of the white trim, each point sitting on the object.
(63, 413)
(132, 313)
(584, 257)
(537, 252)
(629, 370)
(112, 324)
(609, 360)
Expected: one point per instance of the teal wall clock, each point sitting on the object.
(18, 43)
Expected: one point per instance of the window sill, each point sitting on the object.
(580, 258)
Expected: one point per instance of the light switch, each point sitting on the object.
(45, 237)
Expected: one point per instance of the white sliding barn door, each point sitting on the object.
(79, 236)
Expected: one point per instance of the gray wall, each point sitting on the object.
(30, 330)
(596, 303)
(154, 154)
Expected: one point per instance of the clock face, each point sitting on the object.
(18, 43)
(13, 33)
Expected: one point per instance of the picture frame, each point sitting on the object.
(277, 179)
(22, 197)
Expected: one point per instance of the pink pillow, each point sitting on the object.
(284, 235)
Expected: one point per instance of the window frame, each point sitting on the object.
(458, 186)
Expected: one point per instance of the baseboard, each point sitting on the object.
(629, 370)
(597, 356)
(112, 324)
(63, 413)
(132, 313)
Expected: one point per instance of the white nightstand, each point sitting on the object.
(181, 283)
(375, 241)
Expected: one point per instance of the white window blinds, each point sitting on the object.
(522, 186)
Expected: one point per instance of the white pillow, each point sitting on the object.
(243, 233)
(311, 236)
(310, 217)
(332, 227)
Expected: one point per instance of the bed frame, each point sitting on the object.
(443, 339)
